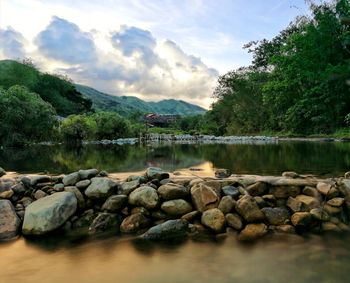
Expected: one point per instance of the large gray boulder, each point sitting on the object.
(173, 191)
(127, 187)
(48, 213)
(101, 188)
(156, 173)
(9, 221)
(87, 174)
(168, 230)
(144, 196)
(71, 179)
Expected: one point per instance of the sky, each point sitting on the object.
(154, 49)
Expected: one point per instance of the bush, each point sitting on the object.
(76, 128)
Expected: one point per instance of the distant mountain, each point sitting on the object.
(126, 105)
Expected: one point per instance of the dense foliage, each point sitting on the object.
(297, 82)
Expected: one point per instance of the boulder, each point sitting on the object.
(9, 221)
(87, 174)
(234, 220)
(144, 196)
(191, 215)
(226, 204)
(327, 189)
(141, 179)
(156, 173)
(222, 173)
(170, 229)
(276, 216)
(295, 205)
(58, 187)
(85, 220)
(71, 179)
(78, 195)
(312, 192)
(115, 203)
(173, 191)
(301, 219)
(204, 197)
(213, 219)
(48, 213)
(128, 187)
(337, 202)
(330, 227)
(309, 202)
(134, 223)
(2, 172)
(285, 228)
(6, 185)
(101, 188)
(249, 210)
(105, 222)
(252, 232)
(40, 194)
(34, 180)
(83, 184)
(6, 194)
(320, 214)
(285, 191)
(257, 189)
(231, 191)
(176, 207)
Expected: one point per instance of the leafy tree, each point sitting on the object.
(76, 128)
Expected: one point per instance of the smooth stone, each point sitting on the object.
(330, 227)
(34, 180)
(6, 194)
(173, 191)
(141, 179)
(249, 209)
(2, 172)
(231, 191)
(309, 202)
(87, 174)
(226, 204)
(78, 195)
(115, 203)
(285, 228)
(168, 230)
(156, 173)
(176, 207)
(257, 189)
(18, 189)
(252, 232)
(261, 202)
(295, 205)
(25, 201)
(336, 202)
(160, 215)
(284, 191)
(234, 220)
(40, 194)
(9, 221)
(320, 214)
(71, 179)
(214, 219)
(204, 197)
(327, 190)
(128, 187)
(58, 187)
(301, 219)
(140, 209)
(276, 216)
(41, 215)
(191, 216)
(332, 209)
(347, 175)
(144, 196)
(290, 174)
(134, 223)
(105, 222)
(101, 188)
(85, 220)
(83, 184)
(270, 199)
(312, 192)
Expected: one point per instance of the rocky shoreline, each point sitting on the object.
(157, 205)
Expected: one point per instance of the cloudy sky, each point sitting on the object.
(154, 49)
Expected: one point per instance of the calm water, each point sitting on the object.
(287, 259)
(319, 158)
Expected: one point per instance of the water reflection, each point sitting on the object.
(320, 158)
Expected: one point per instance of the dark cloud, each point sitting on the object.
(11, 43)
(132, 40)
(64, 41)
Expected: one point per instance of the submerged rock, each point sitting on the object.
(9, 221)
(168, 230)
(134, 223)
(48, 213)
(253, 232)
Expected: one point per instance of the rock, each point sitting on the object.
(320, 214)
(6, 194)
(39, 194)
(83, 184)
(285, 228)
(34, 180)
(9, 221)
(332, 209)
(252, 232)
(115, 203)
(336, 202)
(295, 205)
(276, 216)
(347, 175)
(231, 191)
(58, 187)
(226, 204)
(85, 220)
(204, 197)
(312, 192)
(71, 179)
(327, 190)
(290, 174)
(330, 227)
(128, 187)
(144, 196)
(195, 181)
(173, 191)
(191, 215)
(213, 219)
(134, 223)
(160, 215)
(2, 172)
(25, 201)
(105, 222)
(284, 191)
(42, 215)
(257, 189)
(260, 202)
(176, 207)
(78, 195)
(156, 173)
(18, 189)
(87, 174)
(270, 199)
(249, 210)
(140, 210)
(101, 188)
(309, 202)
(301, 219)
(103, 173)
(234, 220)
(168, 230)
(222, 173)
(141, 179)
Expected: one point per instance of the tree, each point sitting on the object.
(76, 128)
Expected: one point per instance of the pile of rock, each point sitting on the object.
(157, 206)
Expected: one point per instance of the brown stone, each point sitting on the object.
(204, 197)
(249, 210)
(252, 232)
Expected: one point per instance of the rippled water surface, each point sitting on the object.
(283, 259)
(320, 158)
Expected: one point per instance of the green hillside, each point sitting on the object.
(125, 105)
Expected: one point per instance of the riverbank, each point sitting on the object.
(156, 205)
